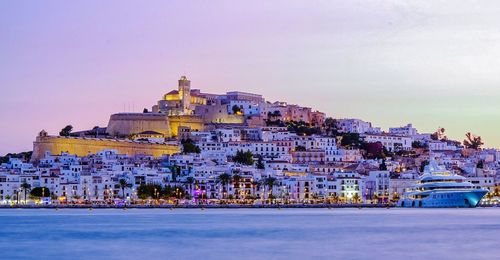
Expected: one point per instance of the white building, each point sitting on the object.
(391, 142)
(348, 185)
(407, 130)
(275, 134)
(274, 149)
(441, 146)
(356, 126)
(228, 135)
(377, 185)
(246, 107)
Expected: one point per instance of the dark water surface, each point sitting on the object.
(250, 234)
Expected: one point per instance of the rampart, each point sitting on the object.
(125, 124)
(82, 146)
(196, 123)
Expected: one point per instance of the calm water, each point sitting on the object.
(250, 234)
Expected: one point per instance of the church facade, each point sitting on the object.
(182, 101)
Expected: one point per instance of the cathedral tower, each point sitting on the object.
(185, 93)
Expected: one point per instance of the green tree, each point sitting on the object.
(188, 146)
(473, 141)
(375, 150)
(255, 187)
(260, 163)
(273, 116)
(123, 184)
(352, 140)
(236, 182)
(66, 131)
(417, 144)
(25, 156)
(439, 134)
(26, 187)
(189, 184)
(302, 128)
(145, 191)
(480, 164)
(168, 192)
(245, 158)
(224, 179)
(331, 127)
(382, 166)
(236, 109)
(423, 164)
(40, 192)
(180, 192)
(356, 198)
(176, 172)
(334, 198)
(270, 182)
(95, 131)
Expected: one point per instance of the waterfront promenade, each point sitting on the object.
(209, 206)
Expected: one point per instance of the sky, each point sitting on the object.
(430, 63)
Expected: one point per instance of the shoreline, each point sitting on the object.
(202, 207)
(274, 206)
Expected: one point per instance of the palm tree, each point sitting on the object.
(355, 198)
(17, 197)
(25, 186)
(255, 187)
(335, 198)
(270, 182)
(176, 172)
(189, 181)
(224, 179)
(395, 197)
(236, 181)
(123, 185)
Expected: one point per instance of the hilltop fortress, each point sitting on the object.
(191, 110)
(184, 107)
(179, 111)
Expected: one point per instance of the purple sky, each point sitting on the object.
(390, 62)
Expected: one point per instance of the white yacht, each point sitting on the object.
(439, 188)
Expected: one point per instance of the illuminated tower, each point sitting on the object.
(185, 94)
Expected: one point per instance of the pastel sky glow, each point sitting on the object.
(431, 63)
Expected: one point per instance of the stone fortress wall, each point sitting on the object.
(218, 114)
(125, 124)
(82, 146)
(195, 123)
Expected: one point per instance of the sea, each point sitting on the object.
(394, 233)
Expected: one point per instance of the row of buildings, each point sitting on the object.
(190, 141)
(287, 167)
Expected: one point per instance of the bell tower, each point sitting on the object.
(185, 93)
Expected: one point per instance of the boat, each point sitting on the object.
(439, 188)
